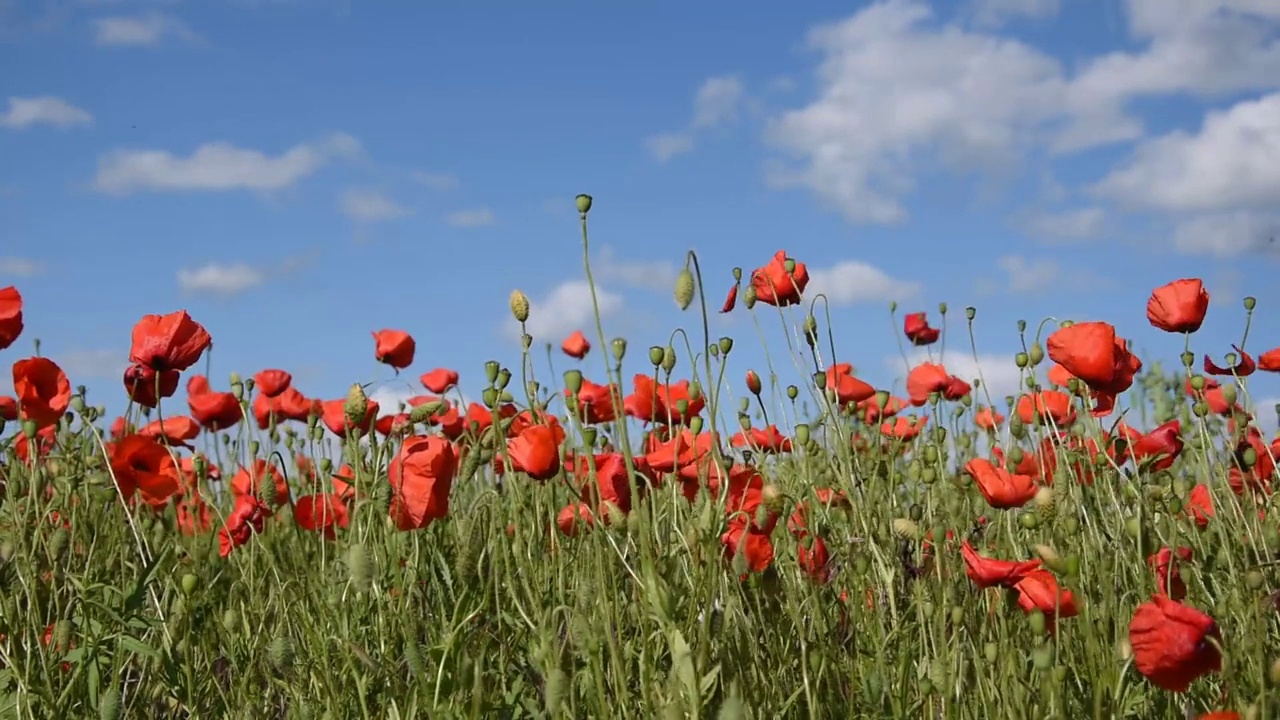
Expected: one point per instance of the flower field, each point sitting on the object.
(644, 536)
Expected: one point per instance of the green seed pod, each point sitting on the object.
(669, 359)
(1036, 354)
(970, 313)
(1037, 621)
(190, 583)
(231, 621)
(519, 303)
(793, 392)
(726, 344)
(655, 355)
(802, 433)
(583, 203)
(619, 348)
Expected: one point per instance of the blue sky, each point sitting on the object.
(298, 174)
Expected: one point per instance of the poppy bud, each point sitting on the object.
(744, 421)
(1254, 579)
(491, 369)
(29, 429)
(519, 305)
(682, 406)
(743, 405)
(991, 652)
(490, 397)
(684, 288)
(737, 274)
(668, 358)
(109, 704)
(942, 308)
(970, 313)
(695, 424)
(1036, 354)
(695, 391)
(504, 378)
(726, 344)
(358, 570)
(1021, 360)
(1229, 394)
(893, 306)
(190, 583)
(1250, 303)
(1029, 521)
(280, 653)
(753, 382)
(619, 347)
(793, 392)
(802, 433)
(655, 356)
(749, 297)
(905, 529)
(583, 201)
(589, 436)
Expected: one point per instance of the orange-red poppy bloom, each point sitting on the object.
(322, 513)
(1270, 360)
(141, 464)
(249, 481)
(1039, 590)
(213, 410)
(916, 327)
(536, 451)
(43, 391)
(848, 389)
(247, 518)
(775, 284)
(1178, 307)
(8, 408)
(663, 403)
(576, 345)
(1243, 367)
(1001, 488)
(421, 476)
(10, 316)
(1173, 644)
(394, 348)
(177, 430)
(1092, 352)
(272, 382)
(168, 342)
(439, 380)
(1165, 566)
(595, 403)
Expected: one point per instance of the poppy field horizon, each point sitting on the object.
(644, 535)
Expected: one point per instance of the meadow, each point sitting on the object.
(641, 536)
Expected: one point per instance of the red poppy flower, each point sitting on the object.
(394, 348)
(43, 391)
(1173, 644)
(576, 345)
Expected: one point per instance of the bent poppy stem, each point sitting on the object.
(714, 394)
(826, 313)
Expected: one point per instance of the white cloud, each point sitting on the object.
(1228, 234)
(568, 307)
(852, 282)
(1233, 162)
(81, 364)
(479, 217)
(717, 101)
(903, 95)
(367, 205)
(668, 145)
(990, 13)
(999, 374)
(391, 395)
(220, 279)
(1086, 222)
(43, 110)
(217, 167)
(437, 181)
(1029, 276)
(19, 267)
(659, 275)
(140, 30)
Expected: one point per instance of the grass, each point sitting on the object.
(576, 596)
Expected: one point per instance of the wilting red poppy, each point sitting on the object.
(916, 327)
(213, 410)
(1178, 307)
(421, 476)
(576, 345)
(439, 380)
(536, 451)
(10, 316)
(1165, 566)
(394, 348)
(1001, 488)
(988, 572)
(246, 518)
(168, 342)
(1173, 644)
(1243, 367)
(176, 430)
(272, 382)
(142, 464)
(1092, 352)
(43, 391)
(755, 546)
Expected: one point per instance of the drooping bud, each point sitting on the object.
(669, 358)
(684, 289)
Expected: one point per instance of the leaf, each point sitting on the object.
(134, 601)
